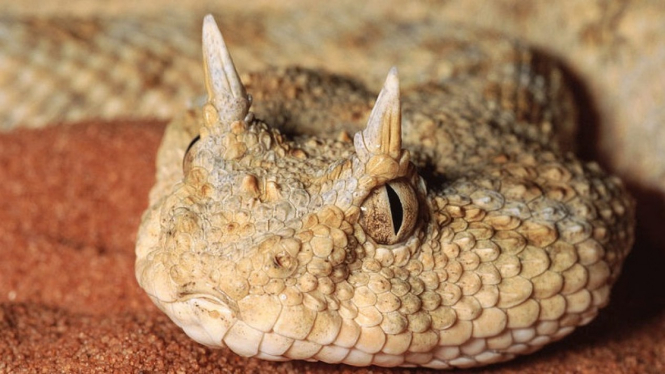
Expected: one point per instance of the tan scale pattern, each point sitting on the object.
(100, 67)
(259, 245)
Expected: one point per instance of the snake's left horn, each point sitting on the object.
(383, 134)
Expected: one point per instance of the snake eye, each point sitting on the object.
(187, 160)
(389, 213)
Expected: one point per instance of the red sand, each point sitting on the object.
(70, 203)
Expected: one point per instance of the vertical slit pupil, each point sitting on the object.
(395, 208)
(191, 144)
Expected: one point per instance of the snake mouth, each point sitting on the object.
(214, 296)
(204, 317)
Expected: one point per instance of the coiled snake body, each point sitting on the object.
(451, 231)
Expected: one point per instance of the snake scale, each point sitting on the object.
(296, 215)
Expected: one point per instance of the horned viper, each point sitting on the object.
(455, 229)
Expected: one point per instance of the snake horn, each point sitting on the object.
(225, 90)
(383, 134)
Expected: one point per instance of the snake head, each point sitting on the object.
(300, 247)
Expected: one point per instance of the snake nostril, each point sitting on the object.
(283, 260)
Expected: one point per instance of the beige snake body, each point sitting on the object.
(455, 229)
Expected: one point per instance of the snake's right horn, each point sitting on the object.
(225, 90)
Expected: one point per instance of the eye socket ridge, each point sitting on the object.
(390, 212)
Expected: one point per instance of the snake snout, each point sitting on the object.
(203, 318)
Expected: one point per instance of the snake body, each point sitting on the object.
(455, 229)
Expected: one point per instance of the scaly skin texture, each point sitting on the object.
(452, 231)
